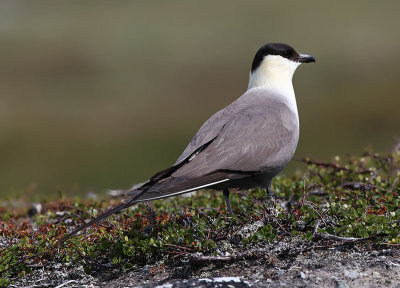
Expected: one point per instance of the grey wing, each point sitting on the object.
(256, 138)
(208, 131)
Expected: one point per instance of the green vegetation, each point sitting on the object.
(354, 201)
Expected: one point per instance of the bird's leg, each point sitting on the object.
(271, 200)
(151, 218)
(228, 203)
(270, 192)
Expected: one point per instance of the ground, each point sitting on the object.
(336, 224)
(295, 264)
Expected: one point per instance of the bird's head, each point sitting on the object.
(274, 65)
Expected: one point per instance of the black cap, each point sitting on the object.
(280, 49)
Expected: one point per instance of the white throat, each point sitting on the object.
(276, 72)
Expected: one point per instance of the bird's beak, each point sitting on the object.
(304, 58)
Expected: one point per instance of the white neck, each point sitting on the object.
(276, 72)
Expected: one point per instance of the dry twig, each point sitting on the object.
(250, 254)
(334, 166)
(317, 235)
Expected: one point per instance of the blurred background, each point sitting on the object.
(99, 95)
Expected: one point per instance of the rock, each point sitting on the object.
(247, 230)
(302, 275)
(232, 282)
(341, 284)
(236, 239)
(376, 275)
(255, 276)
(385, 252)
(92, 195)
(353, 274)
(36, 208)
(182, 272)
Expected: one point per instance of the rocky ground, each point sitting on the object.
(292, 264)
(336, 225)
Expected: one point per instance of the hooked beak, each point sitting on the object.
(304, 58)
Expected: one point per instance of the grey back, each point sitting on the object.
(257, 132)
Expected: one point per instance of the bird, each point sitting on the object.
(242, 146)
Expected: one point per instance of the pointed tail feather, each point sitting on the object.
(113, 210)
(125, 204)
(163, 189)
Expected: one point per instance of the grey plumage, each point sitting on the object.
(258, 123)
(250, 140)
(242, 146)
